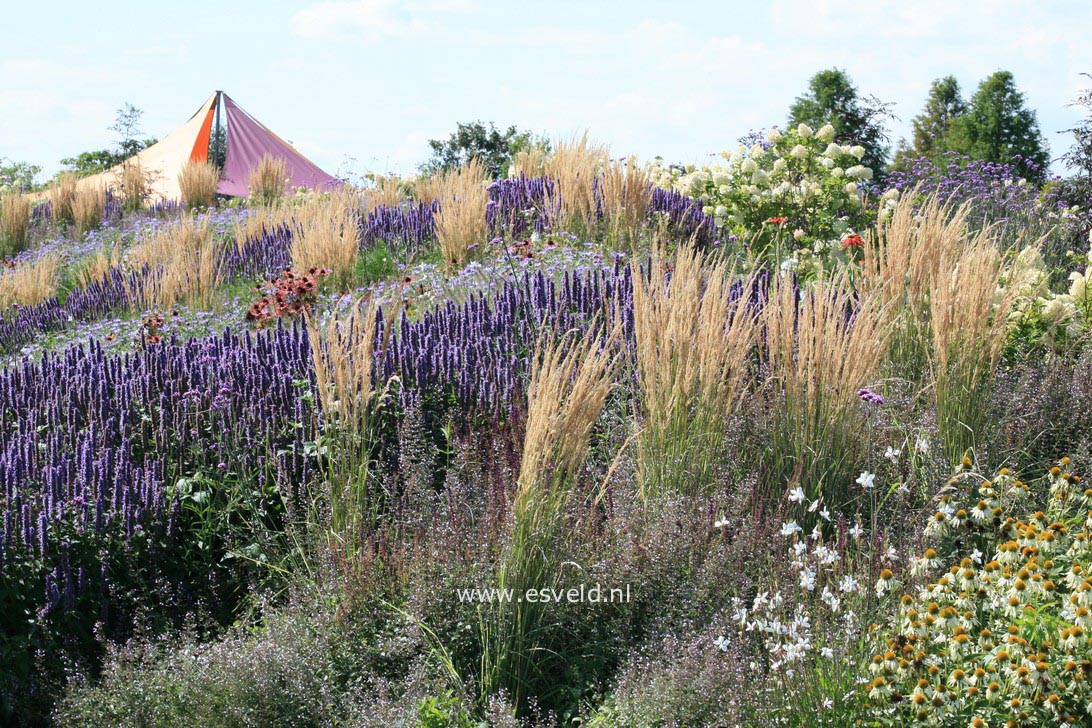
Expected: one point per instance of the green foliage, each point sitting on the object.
(998, 128)
(127, 126)
(934, 124)
(443, 711)
(799, 180)
(832, 98)
(1078, 158)
(491, 146)
(18, 176)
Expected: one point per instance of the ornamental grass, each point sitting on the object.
(696, 328)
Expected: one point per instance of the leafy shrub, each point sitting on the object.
(794, 200)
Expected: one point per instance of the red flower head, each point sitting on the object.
(778, 220)
(853, 241)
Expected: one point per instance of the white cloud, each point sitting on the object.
(375, 19)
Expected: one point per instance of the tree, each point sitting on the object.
(127, 126)
(18, 176)
(996, 127)
(943, 108)
(1079, 156)
(833, 99)
(489, 145)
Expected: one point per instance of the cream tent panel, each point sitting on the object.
(163, 160)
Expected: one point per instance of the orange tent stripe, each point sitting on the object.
(200, 151)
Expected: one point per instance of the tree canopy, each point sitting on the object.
(833, 99)
(489, 145)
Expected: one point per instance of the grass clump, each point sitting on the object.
(573, 166)
(186, 264)
(695, 329)
(62, 195)
(30, 283)
(823, 344)
(14, 224)
(461, 224)
(521, 650)
(134, 186)
(198, 182)
(87, 207)
(624, 190)
(268, 180)
(328, 236)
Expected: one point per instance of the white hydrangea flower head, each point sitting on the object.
(804, 130)
(748, 166)
(832, 150)
(837, 172)
(851, 188)
(1078, 285)
(799, 151)
(779, 165)
(760, 178)
(857, 151)
(757, 151)
(825, 133)
(773, 136)
(827, 162)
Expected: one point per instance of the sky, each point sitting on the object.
(362, 85)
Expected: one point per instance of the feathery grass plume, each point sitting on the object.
(87, 206)
(134, 186)
(530, 161)
(343, 354)
(968, 316)
(14, 223)
(696, 329)
(186, 264)
(624, 191)
(268, 180)
(30, 283)
(97, 266)
(823, 344)
(570, 381)
(573, 166)
(903, 259)
(198, 182)
(388, 191)
(328, 235)
(259, 220)
(461, 224)
(62, 193)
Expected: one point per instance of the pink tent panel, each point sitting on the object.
(248, 140)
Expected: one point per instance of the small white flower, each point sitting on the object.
(824, 514)
(976, 556)
(856, 532)
(722, 643)
(796, 495)
(790, 529)
(807, 579)
(813, 506)
(828, 654)
(922, 445)
(827, 702)
(867, 480)
(892, 454)
(720, 523)
(848, 584)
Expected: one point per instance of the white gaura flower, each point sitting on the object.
(825, 133)
(796, 495)
(722, 643)
(773, 136)
(807, 579)
(857, 151)
(748, 166)
(824, 514)
(804, 130)
(892, 454)
(720, 523)
(867, 480)
(856, 532)
(790, 529)
(921, 446)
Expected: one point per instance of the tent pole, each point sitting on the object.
(219, 161)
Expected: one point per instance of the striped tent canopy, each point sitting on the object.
(248, 141)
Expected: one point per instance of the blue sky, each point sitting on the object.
(361, 86)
